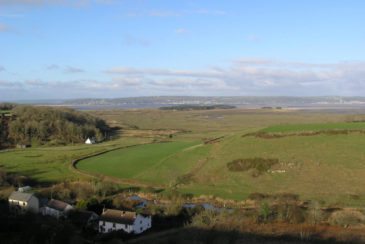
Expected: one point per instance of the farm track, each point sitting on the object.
(73, 167)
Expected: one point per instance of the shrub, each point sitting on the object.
(259, 165)
(290, 213)
(265, 212)
(82, 204)
(347, 218)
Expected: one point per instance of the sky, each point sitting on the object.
(64, 49)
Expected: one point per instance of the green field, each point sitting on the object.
(52, 164)
(319, 166)
(141, 162)
(315, 127)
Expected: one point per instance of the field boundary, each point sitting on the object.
(275, 135)
(73, 167)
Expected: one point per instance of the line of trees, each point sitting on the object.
(41, 125)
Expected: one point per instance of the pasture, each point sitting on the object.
(326, 167)
(144, 162)
(52, 164)
(351, 126)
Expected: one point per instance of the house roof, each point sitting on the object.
(117, 216)
(20, 196)
(57, 204)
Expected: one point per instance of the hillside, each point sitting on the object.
(46, 125)
(309, 163)
(220, 153)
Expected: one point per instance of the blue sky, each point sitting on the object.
(126, 48)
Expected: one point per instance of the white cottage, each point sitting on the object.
(90, 141)
(130, 222)
(56, 208)
(21, 202)
(24, 189)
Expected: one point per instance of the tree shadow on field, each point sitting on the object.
(28, 177)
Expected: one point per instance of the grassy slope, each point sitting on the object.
(315, 127)
(48, 164)
(138, 162)
(327, 167)
(323, 166)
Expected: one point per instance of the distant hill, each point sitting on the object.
(197, 107)
(238, 101)
(256, 101)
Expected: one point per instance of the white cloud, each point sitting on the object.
(245, 76)
(9, 84)
(256, 76)
(70, 69)
(123, 82)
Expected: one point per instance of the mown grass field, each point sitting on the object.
(52, 164)
(140, 162)
(324, 167)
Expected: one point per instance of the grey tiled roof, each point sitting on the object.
(20, 196)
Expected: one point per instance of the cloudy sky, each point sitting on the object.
(126, 48)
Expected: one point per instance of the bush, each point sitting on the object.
(265, 212)
(347, 218)
(290, 213)
(259, 165)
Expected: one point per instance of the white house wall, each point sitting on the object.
(109, 227)
(141, 224)
(51, 212)
(32, 205)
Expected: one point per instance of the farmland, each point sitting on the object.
(351, 126)
(141, 162)
(188, 151)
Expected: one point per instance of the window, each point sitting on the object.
(140, 228)
(104, 223)
(114, 225)
(140, 222)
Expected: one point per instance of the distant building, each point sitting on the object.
(24, 188)
(138, 202)
(56, 208)
(22, 146)
(130, 222)
(20, 202)
(90, 141)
